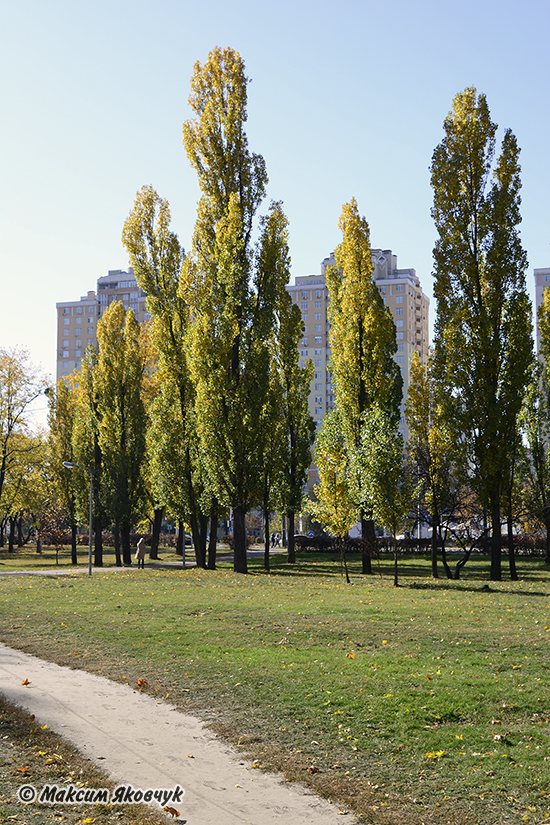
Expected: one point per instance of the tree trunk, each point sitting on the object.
(511, 548)
(239, 540)
(20, 531)
(200, 550)
(496, 543)
(213, 533)
(547, 553)
(11, 536)
(446, 567)
(116, 535)
(125, 535)
(369, 540)
(342, 548)
(291, 543)
(395, 576)
(180, 544)
(157, 523)
(98, 542)
(435, 572)
(266, 537)
(74, 557)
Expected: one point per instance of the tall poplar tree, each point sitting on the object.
(61, 415)
(362, 341)
(233, 288)
(483, 340)
(157, 259)
(119, 377)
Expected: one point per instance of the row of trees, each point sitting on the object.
(478, 413)
(207, 410)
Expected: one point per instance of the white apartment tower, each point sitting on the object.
(77, 320)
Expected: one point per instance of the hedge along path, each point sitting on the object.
(146, 743)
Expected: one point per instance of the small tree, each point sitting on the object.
(386, 483)
(335, 507)
(53, 527)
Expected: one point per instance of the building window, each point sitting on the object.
(304, 295)
(399, 323)
(66, 320)
(318, 352)
(399, 299)
(318, 399)
(317, 316)
(89, 341)
(304, 342)
(66, 311)
(399, 288)
(382, 289)
(303, 305)
(317, 293)
(317, 304)
(78, 353)
(400, 347)
(317, 375)
(65, 353)
(318, 386)
(90, 330)
(78, 342)
(318, 339)
(399, 336)
(79, 310)
(66, 332)
(400, 359)
(399, 311)
(318, 411)
(65, 365)
(304, 317)
(77, 331)
(304, 352)
(317, 363)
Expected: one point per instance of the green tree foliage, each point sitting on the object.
(121, 414)
(335, 506)
(483, 345)
(61, 416)
(433, 452)
(177, 474)
(20, 385)
(87, 452)
(234, 287)
(362, 339)
(386, 483)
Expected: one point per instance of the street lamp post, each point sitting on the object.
(70, 465)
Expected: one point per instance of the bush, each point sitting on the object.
(228, 539)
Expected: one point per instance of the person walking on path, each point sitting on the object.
(140, 553)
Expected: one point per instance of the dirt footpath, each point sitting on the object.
(145, 743)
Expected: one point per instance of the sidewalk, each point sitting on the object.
(146, 743)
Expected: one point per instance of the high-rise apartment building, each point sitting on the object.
(402, 294)
(77, 320)
(542, 282)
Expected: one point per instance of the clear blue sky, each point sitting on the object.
(347, 99)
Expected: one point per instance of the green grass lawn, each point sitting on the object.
(427, 703)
